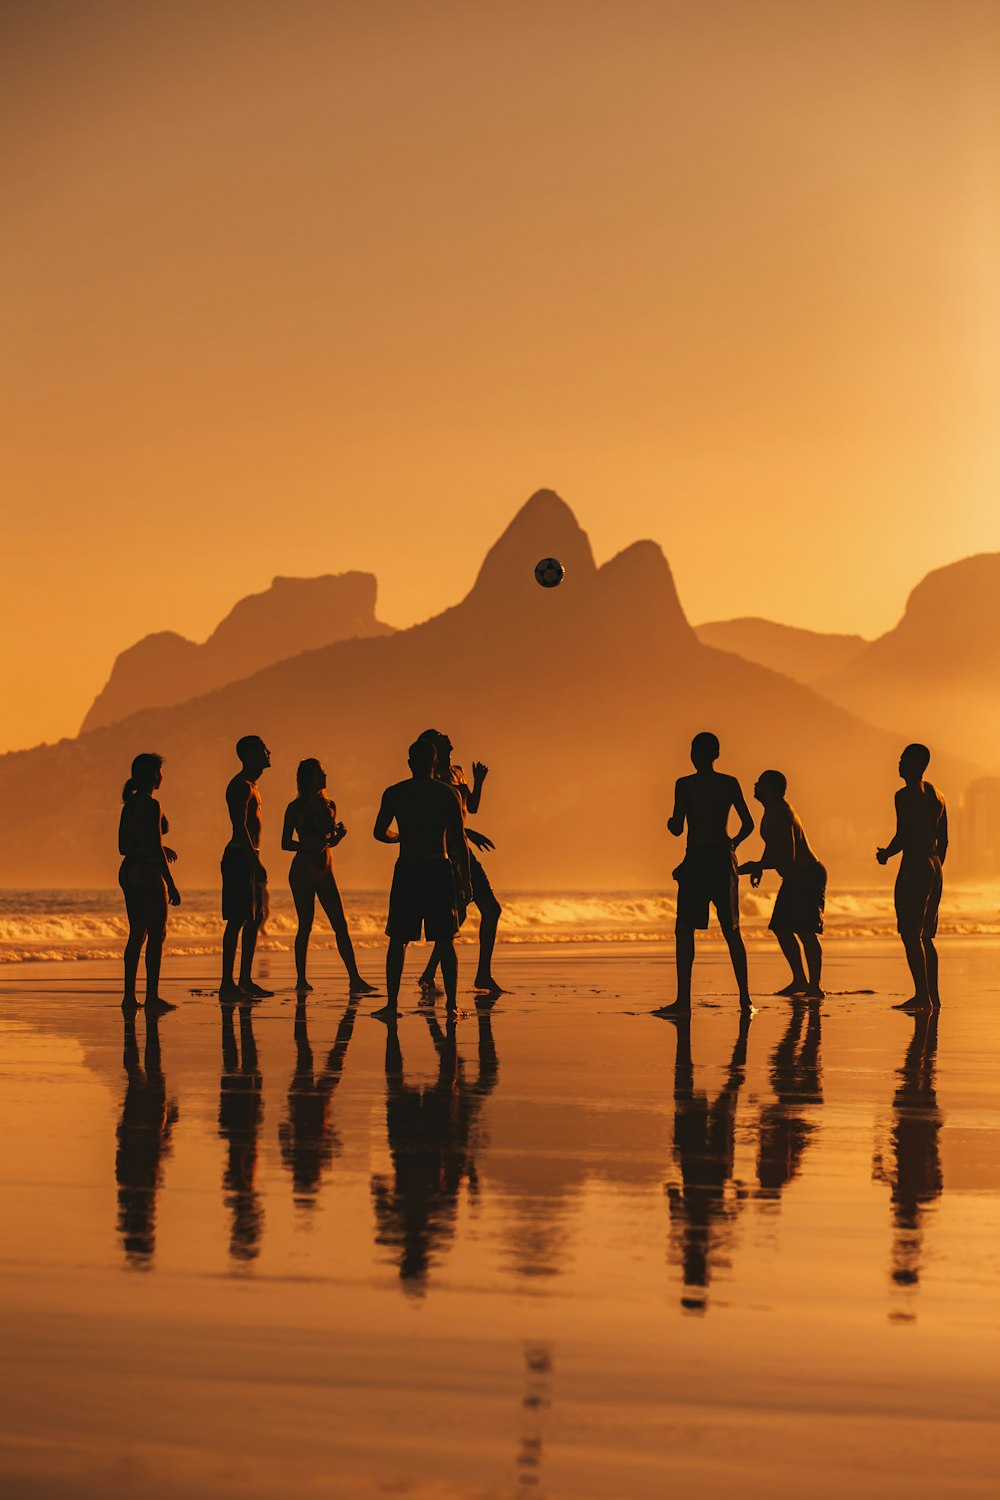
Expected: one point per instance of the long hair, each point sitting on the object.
(305, 771)
(145, 769)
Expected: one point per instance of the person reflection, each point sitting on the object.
(306, 1136)
(432, 1132)
(796, 1077)
(706, 1202)
(914, 1171)
(241, 1110)
(144, 1131)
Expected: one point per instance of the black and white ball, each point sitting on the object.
(549, 572)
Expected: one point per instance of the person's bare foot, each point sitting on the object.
(387, 1014)
(678, 1011)
(796, 987)
(156, 1006)
(814, 993)
(914, 1006)
(229, 990)
(429, 986)
(129, 1005)
(747, 1008)
(361, 986)
(428, 999)
(303, 985)
(256, 991)
(488, 986)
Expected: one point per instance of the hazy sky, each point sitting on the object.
(294, 288)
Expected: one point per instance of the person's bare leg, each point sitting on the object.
(813, 950)
(916, 958)
(230, 937)
(738, 954)
(394, 955)
(247, 950)
(157, 934)
(305, 908)
(133, 950)
(449, 972)
(329, 899)
(789, 945)
(931, 964)
(684, 950)
(429, 976)
(489, 918)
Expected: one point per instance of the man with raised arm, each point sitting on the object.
(707, 875)
(921, 838)
(244, 879)
(427, 884)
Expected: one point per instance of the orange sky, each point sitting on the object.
(292, 288)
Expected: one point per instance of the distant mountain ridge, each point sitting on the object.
(804, 655)
(582, 699)
(293, 615)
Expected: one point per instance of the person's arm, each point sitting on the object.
(384, 817)
(173, 895)
(479, 841)
(675, 823)
(458, 845)
(238, 795)
(479, 775)
(942, 838)
(743, 813)
(288, 841)
(895, 844)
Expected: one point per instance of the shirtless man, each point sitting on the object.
(482, 890)
(922, 838)
(707, 875)
(798, 907)
(244, 879)
(427, 884)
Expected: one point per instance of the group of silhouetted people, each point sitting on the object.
(436, 876)
(435, 880)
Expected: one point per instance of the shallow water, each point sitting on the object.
(563, 1249)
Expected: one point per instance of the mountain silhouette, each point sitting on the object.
(804, 655)
(290, 616)
(582, 699)
(933, 678)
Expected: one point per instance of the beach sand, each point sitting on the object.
(559, 1257)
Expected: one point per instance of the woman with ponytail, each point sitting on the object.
(145, 878)
(313, 817)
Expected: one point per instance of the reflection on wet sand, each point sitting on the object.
(432, 1132)
(535, 1402)
(306, 1136)
(144, 1130)
(241, 1111)
(706, 1203)
(785, 1130)
(912, 1164)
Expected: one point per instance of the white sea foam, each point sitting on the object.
(62, 925)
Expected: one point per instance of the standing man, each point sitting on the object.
(707, 875)
(798, 907)
(482, 892)
(427, 885)
(244, 879)
(921, 838)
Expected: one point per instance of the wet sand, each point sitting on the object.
(570, 1251)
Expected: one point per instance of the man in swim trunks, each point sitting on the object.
(427, 884)
(921, 838)
(707, 874)
(798, 907)
(244, 879)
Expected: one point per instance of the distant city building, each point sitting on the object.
(980, 827)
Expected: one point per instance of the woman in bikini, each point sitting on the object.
(311, 833)
(145, 878)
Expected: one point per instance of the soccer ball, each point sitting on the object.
(549, 572)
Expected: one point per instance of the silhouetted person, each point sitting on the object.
(796, 1078)
(706, 1203)
(798, 906)
(921, 838)
(144, 1130)
(241, 1111)
(914, 1174)
(244, 879)
(313, 817)
(482, 890)
(431, 1130)
(307, 1138)
(707, 875)
(145, 878)
(432, 871)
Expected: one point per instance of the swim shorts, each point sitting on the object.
(918, 896)
(798, 906)
(423, 896)
(244, 894)
(707, 877)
